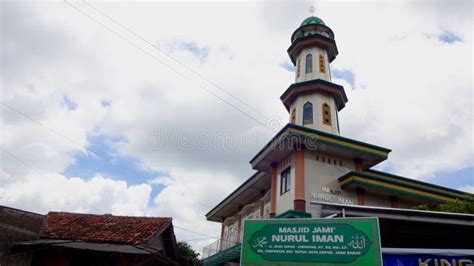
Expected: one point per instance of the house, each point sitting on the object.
(17, 226)
(90, 239)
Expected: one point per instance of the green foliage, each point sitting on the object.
(458, 206)
(187, 256)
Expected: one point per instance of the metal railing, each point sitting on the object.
(217, 246)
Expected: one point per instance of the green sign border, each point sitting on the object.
(373, 221)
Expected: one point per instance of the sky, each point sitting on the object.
(155, 108)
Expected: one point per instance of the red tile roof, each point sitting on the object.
(102, 228)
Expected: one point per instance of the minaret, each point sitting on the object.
(313, 100)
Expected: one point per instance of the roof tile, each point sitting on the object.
(102, 228)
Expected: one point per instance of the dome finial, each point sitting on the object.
(311, 9)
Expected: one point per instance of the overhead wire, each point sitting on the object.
(165, 64)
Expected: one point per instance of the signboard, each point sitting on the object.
(427, 260)
(354, 241)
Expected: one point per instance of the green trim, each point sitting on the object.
(230, 254)
(418, 182)
(317, 132)
(300, 29)
(332, 53)
(341, 138)
(335, 144)
(392, 190)
(335, 86)
(293, 214)
(418, 185)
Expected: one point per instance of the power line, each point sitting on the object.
(163, 63)
(20, 160)
(191, 231)
(196, 239)
(47, 127)
(134, 33)
(34, 169)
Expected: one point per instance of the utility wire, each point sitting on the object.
(37, 172)
(47, 127)
(20, 160)
(163, 63)
(134, 33)
(191, 231)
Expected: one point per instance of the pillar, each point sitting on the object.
(239, 225)
(273, 171)
(360, 196)
(358, 164)
(221, 244)
(299, 203)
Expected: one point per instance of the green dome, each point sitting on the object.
(312, 20)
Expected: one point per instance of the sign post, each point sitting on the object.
(354, 241)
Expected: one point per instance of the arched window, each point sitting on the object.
(307, 113)
(293, 116)
(309, 63)
(326, 114)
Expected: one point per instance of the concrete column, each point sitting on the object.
(222, 235)
(299, 203)
(360, 196)
(358, 164)
(273, 171)
(239, 225)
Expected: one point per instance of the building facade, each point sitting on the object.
(308, 166)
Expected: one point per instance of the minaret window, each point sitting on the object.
(309, 63)
(322, 65)
(293, 116)
(307, 113)
(326, 114)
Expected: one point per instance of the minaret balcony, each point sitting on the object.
(314, 86)
(313, 40)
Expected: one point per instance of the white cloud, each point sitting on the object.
(467, 188)
(58, 193)
(412, 93)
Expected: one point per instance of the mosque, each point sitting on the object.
(308, 170)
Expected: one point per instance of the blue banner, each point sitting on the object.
(427, 260)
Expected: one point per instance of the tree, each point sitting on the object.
(458, 206)
(187, 256)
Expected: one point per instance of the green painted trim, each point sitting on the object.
(415, 185)
(314, 81)
(332, 53)
(317, 82)
(313, 131)
(300, 29)
(338, 145)
(392, 190)
(462, 193)
(293, 214)
(342, 138)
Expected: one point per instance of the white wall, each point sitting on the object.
(316, 73)
(317, 99)
(319, 174)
